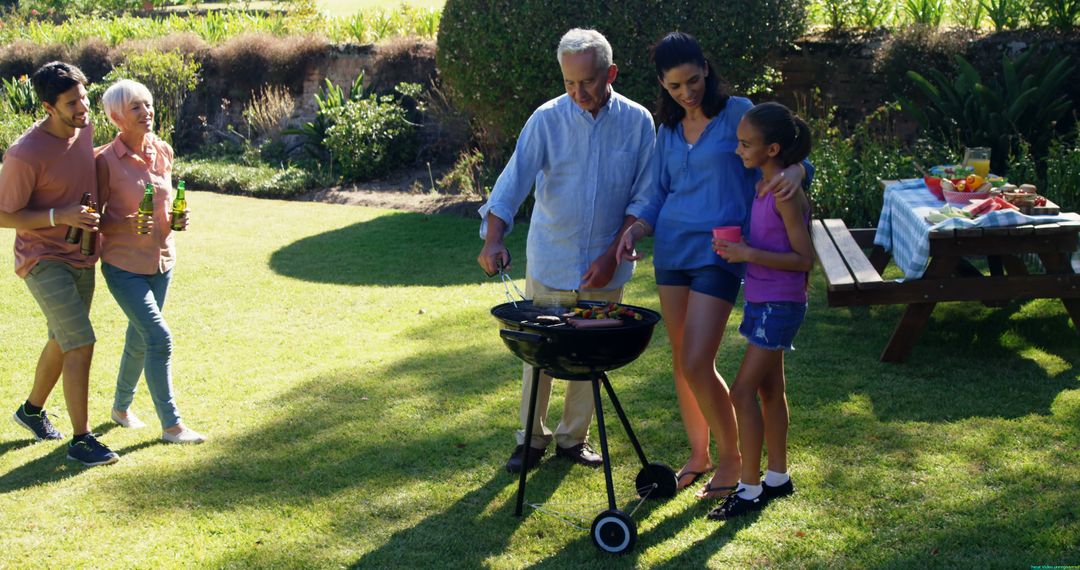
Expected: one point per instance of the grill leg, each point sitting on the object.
(603, 442)
(625, 421)
(528, 440)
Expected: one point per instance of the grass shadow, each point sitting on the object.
(970, 361)
(49, 468)
(394, 249)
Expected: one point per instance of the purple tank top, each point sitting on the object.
(767, 232)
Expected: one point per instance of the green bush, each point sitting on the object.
(170, 77)
(848, 167)
(12, 124)
(1025, 101)
(1063, 174)
(371, 136)
(497, 58)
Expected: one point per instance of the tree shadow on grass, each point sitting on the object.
(394, 249)
(54, 465)
(969, 362)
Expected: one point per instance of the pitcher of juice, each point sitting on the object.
(978, 157)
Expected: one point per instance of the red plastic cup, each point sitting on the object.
(727, 233)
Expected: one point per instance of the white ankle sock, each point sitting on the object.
(774, 479)
(749, 492)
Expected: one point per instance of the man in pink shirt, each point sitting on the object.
(45, 173)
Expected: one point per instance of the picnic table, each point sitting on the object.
(937, 260)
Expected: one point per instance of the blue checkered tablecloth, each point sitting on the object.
(904, 232)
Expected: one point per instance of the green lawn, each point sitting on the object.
(360, 406)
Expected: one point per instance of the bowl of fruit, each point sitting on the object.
(962, 192)
(947, 172)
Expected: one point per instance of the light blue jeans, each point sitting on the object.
(148, 346)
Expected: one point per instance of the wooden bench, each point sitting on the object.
(852, 278)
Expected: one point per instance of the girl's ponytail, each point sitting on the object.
(779, 125)
(800, 147)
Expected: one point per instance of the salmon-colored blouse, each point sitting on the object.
(128, 175)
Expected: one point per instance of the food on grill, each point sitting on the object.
(609, 311)
(594, 323)
(548, 319)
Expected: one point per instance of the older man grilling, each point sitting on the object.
(590, 155)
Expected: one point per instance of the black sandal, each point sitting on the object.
(705, 492)
(697, 475)
(735, 506)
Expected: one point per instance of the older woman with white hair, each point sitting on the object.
(138, 253)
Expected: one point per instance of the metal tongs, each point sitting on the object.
(508, 281)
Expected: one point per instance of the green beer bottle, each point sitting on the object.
(74, 234)
(88, 239)
(146, 207)
(179, 206)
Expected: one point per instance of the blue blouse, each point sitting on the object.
(701, 186)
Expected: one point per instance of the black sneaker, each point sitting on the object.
(735, 506)
(38, 424)
(581, 454)
(778, 491)
(90, 452)
(513, 464)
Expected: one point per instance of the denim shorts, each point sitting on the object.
(772, 325)
(711, 280)
(64, 294)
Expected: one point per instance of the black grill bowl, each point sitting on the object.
(569, 353)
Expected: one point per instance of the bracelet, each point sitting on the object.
(644, 230)
(52, 219)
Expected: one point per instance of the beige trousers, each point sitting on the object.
(578, 406)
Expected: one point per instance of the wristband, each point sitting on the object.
(52, 219)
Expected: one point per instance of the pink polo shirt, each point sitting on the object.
(128, 176)
(42, 171)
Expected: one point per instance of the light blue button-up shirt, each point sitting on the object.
(589, 174)
(701, 186)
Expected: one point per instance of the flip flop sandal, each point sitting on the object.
(697, 475)
(706, 492)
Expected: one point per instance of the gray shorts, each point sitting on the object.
(64, 294)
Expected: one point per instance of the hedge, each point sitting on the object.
(497, 57)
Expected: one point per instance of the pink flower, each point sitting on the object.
(34, 12)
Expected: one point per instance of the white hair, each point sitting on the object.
(578, 40)
(120, 94)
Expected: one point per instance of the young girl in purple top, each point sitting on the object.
(778, 258)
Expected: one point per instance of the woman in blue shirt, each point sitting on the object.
(701, 184)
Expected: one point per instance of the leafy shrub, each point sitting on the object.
(1005, 14)
(19, 95)
(1063, 173)
(1060, 14)
(924, 12)
(1025, 102)
(12, 124)
(870, 14)
(497, 59)
(968, 14)
(370, 137)
(331, 98)
(170, 77)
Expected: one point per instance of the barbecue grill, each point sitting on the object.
(586, 355)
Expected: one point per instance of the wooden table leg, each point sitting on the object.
(1058, 263)
(907, 332)
(916, 315)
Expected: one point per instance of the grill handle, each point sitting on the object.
(523, 336)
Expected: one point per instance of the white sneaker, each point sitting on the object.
(131, 421)
(186, 435)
